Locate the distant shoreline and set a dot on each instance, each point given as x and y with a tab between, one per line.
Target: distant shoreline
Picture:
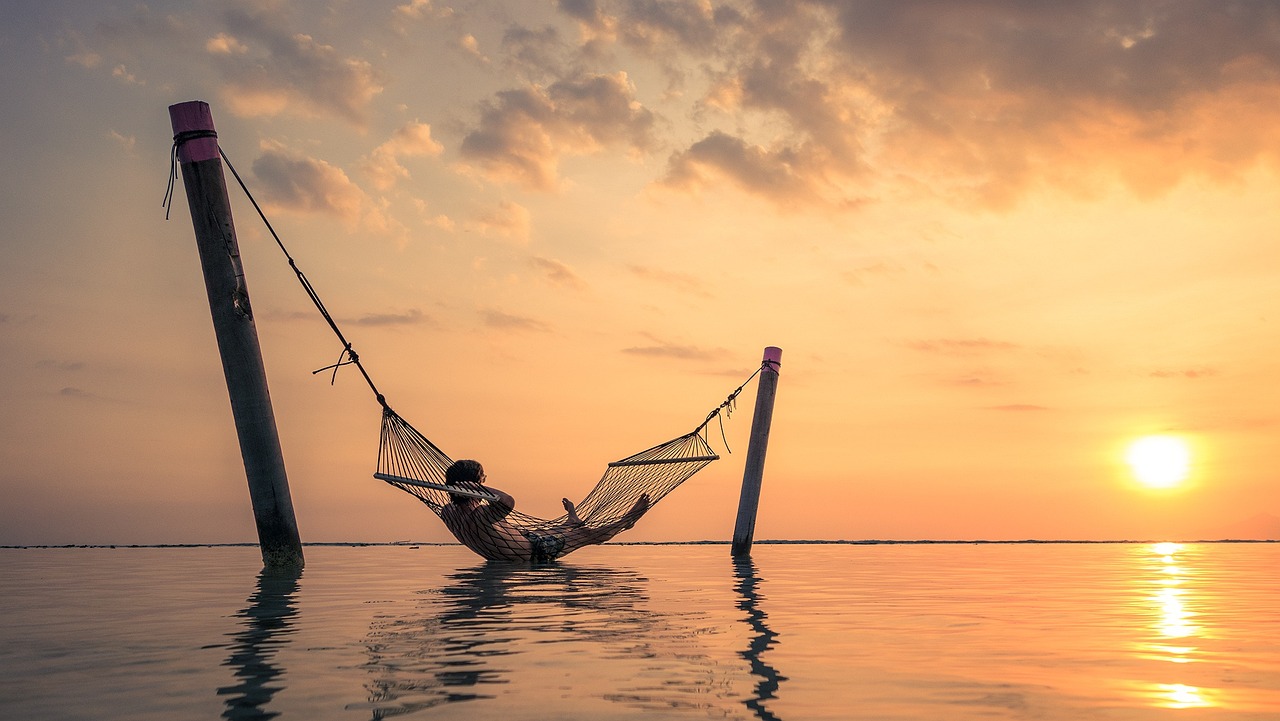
783	542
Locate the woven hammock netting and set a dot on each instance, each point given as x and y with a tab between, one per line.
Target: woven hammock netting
628	489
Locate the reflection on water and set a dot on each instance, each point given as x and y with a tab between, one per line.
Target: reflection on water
762	639
547	633
266	623
1051	632
1175	626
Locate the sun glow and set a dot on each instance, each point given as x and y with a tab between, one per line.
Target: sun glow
1159	461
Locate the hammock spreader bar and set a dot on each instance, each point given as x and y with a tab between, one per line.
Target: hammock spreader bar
660	461
456	490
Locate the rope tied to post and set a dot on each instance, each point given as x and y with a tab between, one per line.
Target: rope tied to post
180	139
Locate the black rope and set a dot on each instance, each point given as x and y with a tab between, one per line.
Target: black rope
731	403
349	355
347	350
178	140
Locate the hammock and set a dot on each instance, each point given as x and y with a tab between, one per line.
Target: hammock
415	465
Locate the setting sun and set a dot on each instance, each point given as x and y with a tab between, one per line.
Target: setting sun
1159	461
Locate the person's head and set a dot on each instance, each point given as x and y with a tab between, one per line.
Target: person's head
464	473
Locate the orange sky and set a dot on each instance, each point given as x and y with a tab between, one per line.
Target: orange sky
997	243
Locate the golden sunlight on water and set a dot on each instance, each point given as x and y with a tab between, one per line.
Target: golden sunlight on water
1180	593
1174	623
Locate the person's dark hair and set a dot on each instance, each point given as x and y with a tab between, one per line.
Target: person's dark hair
466	471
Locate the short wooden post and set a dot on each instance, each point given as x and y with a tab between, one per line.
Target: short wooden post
753	475
197	146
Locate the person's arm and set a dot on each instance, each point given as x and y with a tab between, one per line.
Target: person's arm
504	503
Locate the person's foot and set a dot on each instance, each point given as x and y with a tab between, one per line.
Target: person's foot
641	506
573	512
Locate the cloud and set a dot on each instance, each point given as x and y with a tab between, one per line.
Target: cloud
383	164
975	380
413	316
471	47
962	346
522	133
682	282
72	392
505	321
655	26
540	52
86	59
67	366
679	352
224	44
872	270
827	101
281	71
298	182
507	220
121	73
557	273
1188	373
128	142
419	9
774	173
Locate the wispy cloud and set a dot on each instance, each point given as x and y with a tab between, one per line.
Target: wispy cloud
413	316
506	220
677	351
65	366
127	142
682	282
421	9
977	379
500	320
557	273
962	346
1187	373
383	165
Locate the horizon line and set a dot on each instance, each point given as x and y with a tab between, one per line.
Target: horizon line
767	542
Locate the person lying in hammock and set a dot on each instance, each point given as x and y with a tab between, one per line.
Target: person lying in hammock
482	525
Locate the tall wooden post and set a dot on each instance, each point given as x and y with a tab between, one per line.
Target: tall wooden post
753	475
197	146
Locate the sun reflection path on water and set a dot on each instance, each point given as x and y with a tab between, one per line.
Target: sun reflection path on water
1177	630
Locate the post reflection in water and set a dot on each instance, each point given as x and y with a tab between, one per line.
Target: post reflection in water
1176	628
763	638
266	624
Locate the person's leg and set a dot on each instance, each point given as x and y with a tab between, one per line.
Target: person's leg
577	533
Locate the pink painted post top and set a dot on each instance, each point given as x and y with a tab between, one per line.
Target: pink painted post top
772	358
193	131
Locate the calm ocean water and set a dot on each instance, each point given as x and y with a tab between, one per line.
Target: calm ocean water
1044	631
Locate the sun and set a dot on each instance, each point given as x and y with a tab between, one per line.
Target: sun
1159	461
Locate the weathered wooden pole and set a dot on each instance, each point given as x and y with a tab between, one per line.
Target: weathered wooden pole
753	475
197	148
